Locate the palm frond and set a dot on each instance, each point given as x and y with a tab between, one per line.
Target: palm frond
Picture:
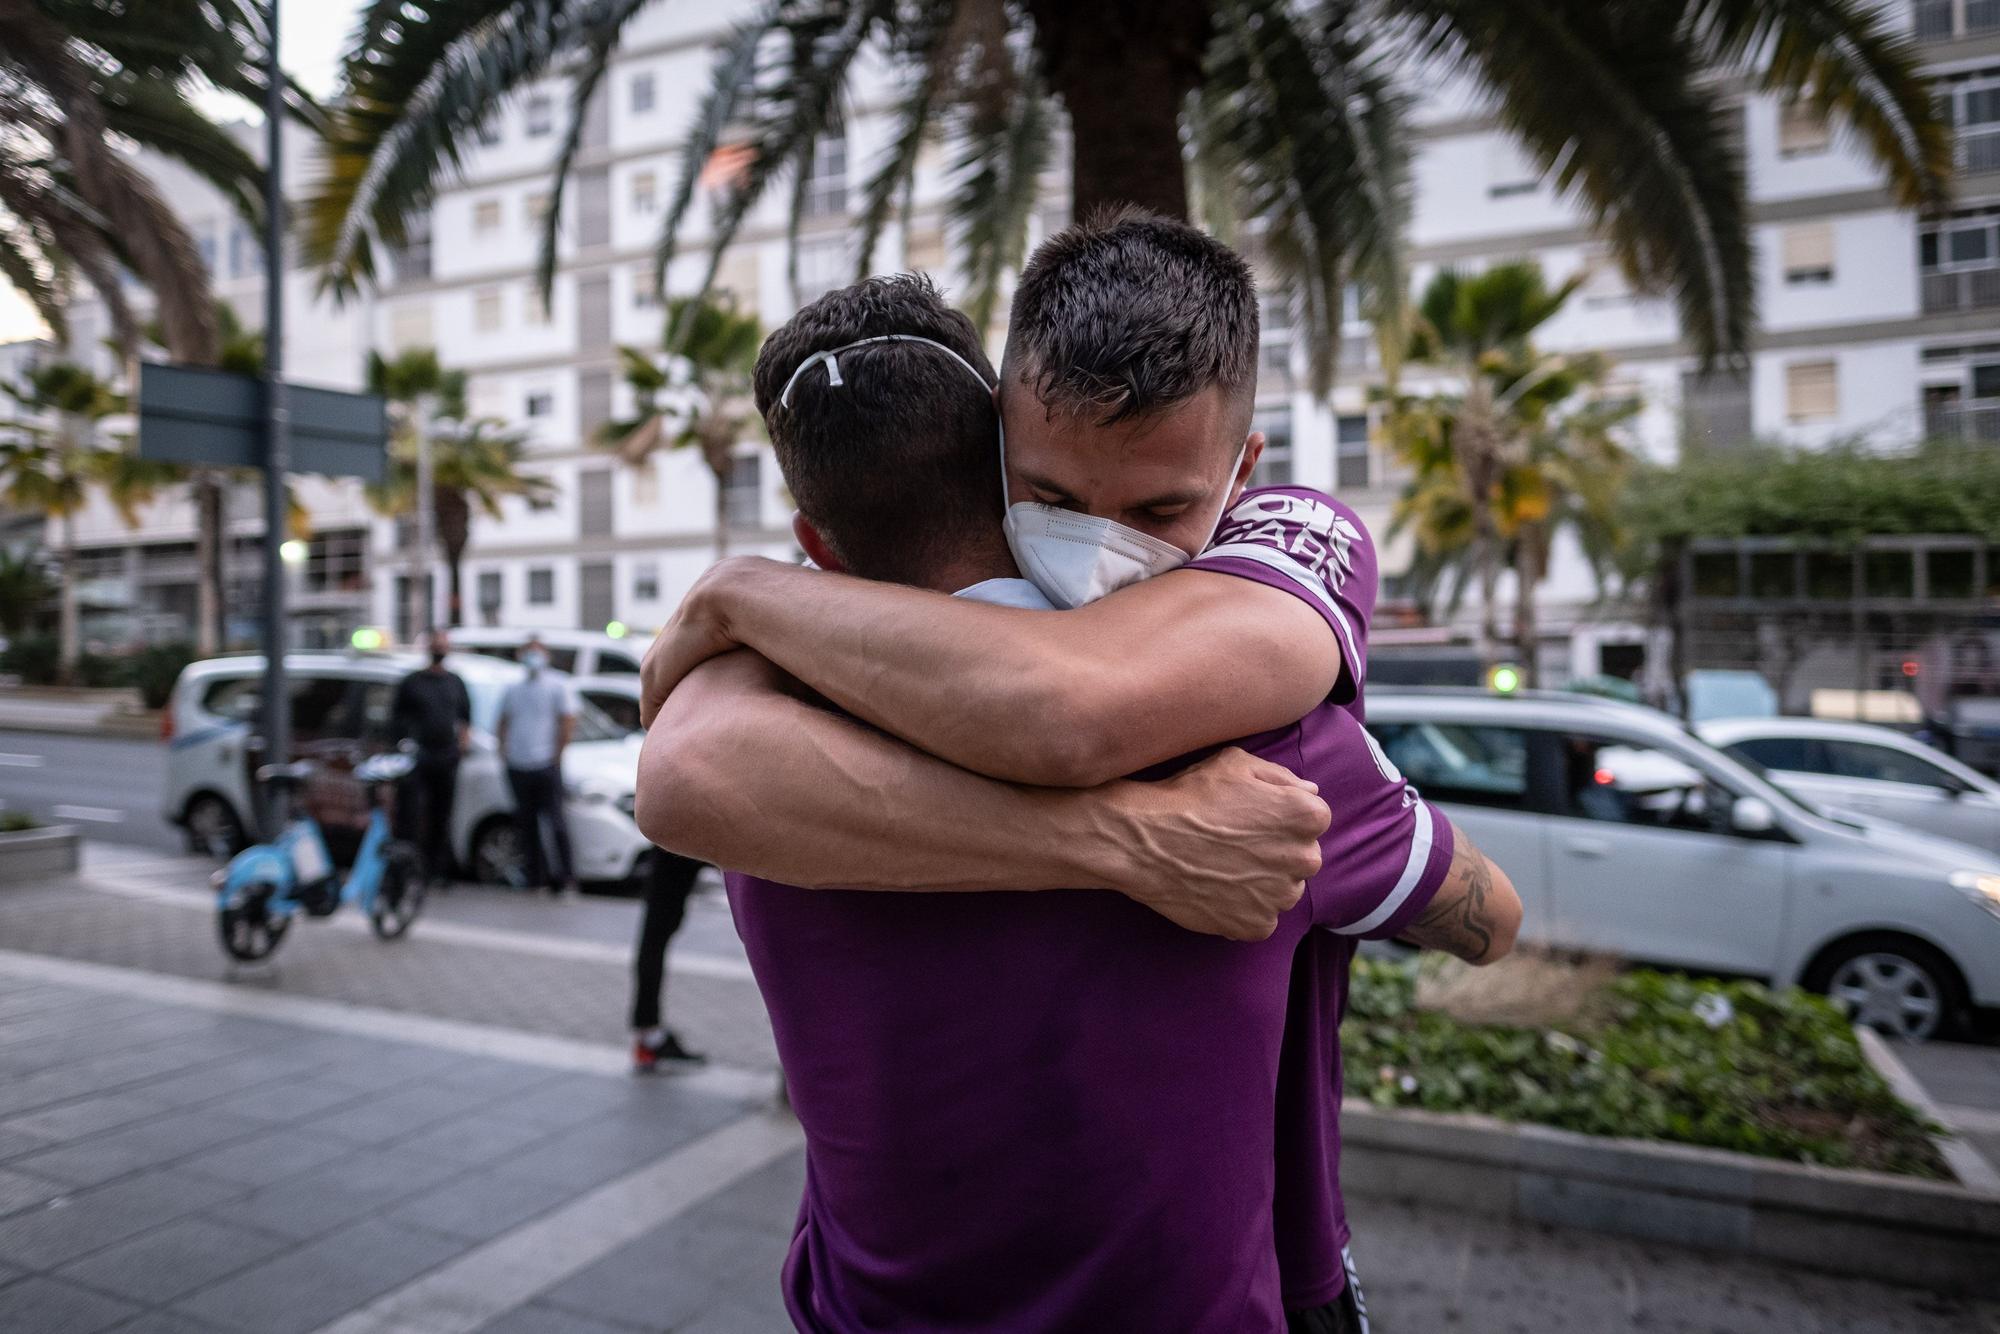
157	116
1844	58
1302	128
730	82
1613	102
24	263
586	75
930	46
1003	149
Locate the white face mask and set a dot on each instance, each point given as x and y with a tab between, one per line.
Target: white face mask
1078	558
534	660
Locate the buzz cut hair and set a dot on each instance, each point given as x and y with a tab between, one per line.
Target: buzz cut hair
1129	313
898	466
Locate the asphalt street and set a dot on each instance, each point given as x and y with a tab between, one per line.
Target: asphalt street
107	786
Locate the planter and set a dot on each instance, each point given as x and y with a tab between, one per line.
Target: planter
1896	1229
32	856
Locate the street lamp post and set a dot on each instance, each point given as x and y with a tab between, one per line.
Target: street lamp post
277	444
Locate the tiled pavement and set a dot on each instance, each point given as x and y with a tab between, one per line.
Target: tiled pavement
185	1148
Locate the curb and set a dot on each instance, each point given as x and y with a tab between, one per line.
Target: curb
1920	1233
1964	1161
127	726
33	856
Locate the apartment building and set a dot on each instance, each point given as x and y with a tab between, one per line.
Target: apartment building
1876	324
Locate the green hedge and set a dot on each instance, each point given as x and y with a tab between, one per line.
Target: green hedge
152	670
1731	1065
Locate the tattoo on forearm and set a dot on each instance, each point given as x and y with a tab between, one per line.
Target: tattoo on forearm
1456	922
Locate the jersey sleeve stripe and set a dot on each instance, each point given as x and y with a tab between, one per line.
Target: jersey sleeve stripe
1413	871
1298	574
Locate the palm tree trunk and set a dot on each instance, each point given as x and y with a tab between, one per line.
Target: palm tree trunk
1126	140
1489	592
1528	565
68	642
208	539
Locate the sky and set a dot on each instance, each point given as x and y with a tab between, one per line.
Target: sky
311	34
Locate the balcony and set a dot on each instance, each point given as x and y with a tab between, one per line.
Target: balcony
1946	20
1976	422
1977	147
1961	289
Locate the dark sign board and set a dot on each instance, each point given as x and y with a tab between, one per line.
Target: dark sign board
215	419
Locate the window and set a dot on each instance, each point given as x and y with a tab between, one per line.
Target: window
645	192
535	310
1622	783
489	131
206	244
541	586
1508	173
535	209
1480	766
1808	254
1350	453
826	179
540	403
742	495
486	310
646	581
486	215
1275	468
541	115
924	250
1882	764
1274	351
410	326
1791	754
1812	391
644	297
489	596
823	266
1801	131
1715	408
337	562
610	662
1604	281
645	484
642	94
620	708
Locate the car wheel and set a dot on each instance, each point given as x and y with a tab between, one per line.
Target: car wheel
496	854
1899	987
213	828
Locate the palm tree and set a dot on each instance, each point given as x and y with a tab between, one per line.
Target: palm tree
51	468
25	589
1510	444
473	464
1289	110
699	393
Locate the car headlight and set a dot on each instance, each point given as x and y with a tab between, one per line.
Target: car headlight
1982	887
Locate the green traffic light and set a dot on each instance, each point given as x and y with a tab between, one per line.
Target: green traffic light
1504	679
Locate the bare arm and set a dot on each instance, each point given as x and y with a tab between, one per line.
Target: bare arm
737	772
1475	913
1152	672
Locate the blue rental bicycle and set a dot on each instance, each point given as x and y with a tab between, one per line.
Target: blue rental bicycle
265	886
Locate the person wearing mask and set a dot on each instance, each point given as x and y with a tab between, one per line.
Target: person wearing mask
537	719
434	712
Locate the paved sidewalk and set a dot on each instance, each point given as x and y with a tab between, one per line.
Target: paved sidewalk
479	956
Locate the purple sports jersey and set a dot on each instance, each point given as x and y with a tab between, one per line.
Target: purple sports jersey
1312	546
1057	1112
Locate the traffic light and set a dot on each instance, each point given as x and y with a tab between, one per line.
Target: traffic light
1503	678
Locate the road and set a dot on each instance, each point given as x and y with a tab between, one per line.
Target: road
109	787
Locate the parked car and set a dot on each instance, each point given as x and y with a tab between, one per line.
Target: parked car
341	702
578	652
616	697
1871	771
1626	834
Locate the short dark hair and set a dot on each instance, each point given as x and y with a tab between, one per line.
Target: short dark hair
898	467
1128	313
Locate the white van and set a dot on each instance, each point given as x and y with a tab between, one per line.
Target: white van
342	701
1628	835
578	652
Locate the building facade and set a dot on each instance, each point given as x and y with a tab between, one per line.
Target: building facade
1876	324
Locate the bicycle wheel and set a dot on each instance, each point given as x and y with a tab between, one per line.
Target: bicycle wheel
400	895
249	932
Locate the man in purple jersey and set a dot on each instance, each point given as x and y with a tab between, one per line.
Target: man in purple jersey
1063	700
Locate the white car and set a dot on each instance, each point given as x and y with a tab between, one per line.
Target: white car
341	703
578	652
1872	771
1627	835
616	697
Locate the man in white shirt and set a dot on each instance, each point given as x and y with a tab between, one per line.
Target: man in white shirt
537	719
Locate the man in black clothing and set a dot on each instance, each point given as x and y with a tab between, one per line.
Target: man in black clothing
669	881
433	710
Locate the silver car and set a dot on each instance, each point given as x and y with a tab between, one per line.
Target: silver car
1628	835
1871	771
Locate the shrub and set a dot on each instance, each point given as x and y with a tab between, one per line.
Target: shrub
1730	1065
155	669
15	822
101	670
34	658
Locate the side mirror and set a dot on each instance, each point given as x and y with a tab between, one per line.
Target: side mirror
1752	815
